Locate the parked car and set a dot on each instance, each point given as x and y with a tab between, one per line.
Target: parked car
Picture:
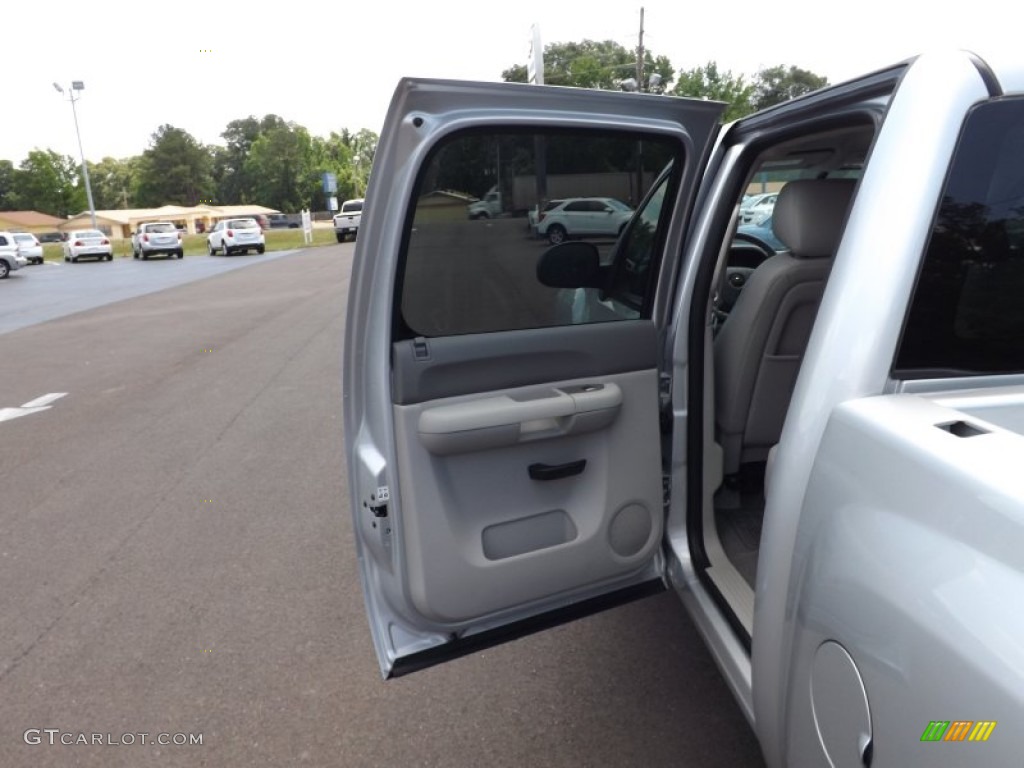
284	220
10	258
51	237
577	217
757	207
29	247
157	237
346	221
236	236
536	214
828	474
87	244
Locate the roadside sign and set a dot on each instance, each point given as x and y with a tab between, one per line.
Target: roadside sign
307	226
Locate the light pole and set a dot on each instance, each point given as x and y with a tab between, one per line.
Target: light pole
78	85
637	85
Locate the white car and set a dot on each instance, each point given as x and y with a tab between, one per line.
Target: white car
535	214
236	236
88	244
583	217
29	247
157	237
10	259
757	208
346	222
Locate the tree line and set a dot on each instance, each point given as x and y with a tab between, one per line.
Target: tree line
277	163
267	161
608	65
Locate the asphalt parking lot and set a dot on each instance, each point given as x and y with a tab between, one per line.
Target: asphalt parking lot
53	289
176	554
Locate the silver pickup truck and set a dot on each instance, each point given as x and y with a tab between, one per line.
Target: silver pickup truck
818	447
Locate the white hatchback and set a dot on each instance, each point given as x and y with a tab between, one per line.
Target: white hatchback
236	236
584	217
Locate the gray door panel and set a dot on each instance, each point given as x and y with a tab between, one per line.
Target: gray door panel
428	369
485	531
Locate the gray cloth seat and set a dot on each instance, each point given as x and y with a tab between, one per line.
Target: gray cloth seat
761	343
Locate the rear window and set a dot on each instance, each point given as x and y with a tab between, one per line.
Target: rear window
352	207
168	227
967	317
243	224
25	239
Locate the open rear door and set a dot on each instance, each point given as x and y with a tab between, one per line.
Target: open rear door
501	393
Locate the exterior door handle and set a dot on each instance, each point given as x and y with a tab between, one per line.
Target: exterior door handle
556	471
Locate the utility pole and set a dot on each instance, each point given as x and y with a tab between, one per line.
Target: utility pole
640	88
535	74
640	56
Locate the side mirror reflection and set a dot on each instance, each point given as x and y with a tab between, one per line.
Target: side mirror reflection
571	265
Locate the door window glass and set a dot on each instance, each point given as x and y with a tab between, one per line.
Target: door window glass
482	216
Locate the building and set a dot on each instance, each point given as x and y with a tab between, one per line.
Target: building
193	219
29	221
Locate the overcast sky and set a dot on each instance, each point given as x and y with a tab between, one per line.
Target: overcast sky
334	65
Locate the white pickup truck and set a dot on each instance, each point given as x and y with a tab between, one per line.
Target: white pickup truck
346	221
818	448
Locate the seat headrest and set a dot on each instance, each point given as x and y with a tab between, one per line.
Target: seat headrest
809	214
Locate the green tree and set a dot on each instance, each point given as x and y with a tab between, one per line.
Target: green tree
364	146
592	64
349	156
50	183
233	183
7	196
113	182
280	163
775	85
708	82
176	169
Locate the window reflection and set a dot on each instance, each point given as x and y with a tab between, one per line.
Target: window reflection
488	205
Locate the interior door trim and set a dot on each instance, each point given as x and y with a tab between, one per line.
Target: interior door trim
440	367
